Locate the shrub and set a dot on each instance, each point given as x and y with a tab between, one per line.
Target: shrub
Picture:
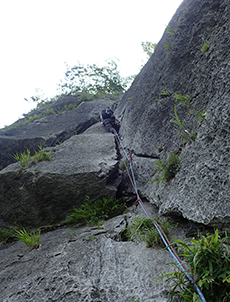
27	160
167	168
208	259
145	230
91	213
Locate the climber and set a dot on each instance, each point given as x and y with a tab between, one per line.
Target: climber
109	121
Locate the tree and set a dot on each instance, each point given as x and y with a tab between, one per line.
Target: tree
93	79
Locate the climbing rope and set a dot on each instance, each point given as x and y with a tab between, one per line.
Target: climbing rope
157	226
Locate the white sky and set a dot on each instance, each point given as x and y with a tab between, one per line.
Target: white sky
38	36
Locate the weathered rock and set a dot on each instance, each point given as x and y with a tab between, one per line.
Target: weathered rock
85	264
51	129
85	164
10	146
182	65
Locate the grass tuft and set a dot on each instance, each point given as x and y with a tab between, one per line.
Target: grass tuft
31	240
167	168
27	160
145	230
92	213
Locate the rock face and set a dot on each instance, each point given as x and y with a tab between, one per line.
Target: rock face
190	69
51	129
84	265
192	59
85	164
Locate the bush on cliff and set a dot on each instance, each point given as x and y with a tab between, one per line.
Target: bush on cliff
208	259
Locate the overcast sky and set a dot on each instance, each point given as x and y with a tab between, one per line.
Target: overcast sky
37	37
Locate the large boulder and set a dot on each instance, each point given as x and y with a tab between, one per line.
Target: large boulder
191	59
45	193
52	129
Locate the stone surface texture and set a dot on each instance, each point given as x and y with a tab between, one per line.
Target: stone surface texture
51	129
95	265
45	193
84	265
200	190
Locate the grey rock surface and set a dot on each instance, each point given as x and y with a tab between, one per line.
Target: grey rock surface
200	190
83	165
84	265
51	129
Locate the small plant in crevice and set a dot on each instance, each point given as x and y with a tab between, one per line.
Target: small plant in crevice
170	30
123	164
92	213
134	299
208	261
144	229
31	240
166	169
27	160
168	45
184	99
186	135
204	46
165	93
200	114
7	235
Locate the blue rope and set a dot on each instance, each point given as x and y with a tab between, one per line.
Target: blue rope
156	226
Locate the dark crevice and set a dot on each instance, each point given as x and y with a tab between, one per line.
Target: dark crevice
147	156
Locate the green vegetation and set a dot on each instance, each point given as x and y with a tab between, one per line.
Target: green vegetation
7	235
86	82
27	160
168	45
92	213
30	239
167	168
123	163
200	114
148	48
134	299
165	93
204	46
183	133
184	99
171	31
23	122
208	259
93	80
145	230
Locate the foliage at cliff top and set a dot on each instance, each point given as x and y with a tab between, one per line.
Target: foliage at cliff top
94	79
